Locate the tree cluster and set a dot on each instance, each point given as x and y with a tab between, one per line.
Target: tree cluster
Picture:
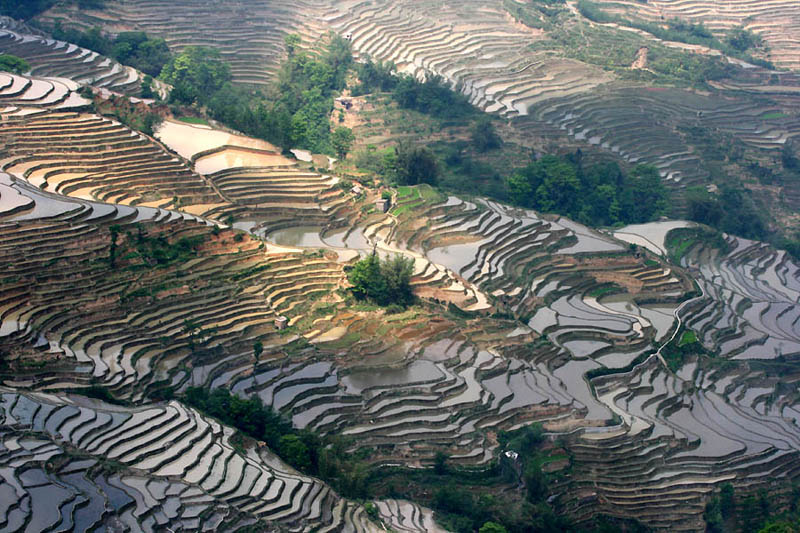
24	9
732	210
384	282
599	195
295	111
196	74
135	48
433	97
14	64
375	76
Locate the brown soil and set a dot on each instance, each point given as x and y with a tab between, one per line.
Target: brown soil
641	58
631	284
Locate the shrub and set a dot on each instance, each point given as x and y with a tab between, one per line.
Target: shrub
14	64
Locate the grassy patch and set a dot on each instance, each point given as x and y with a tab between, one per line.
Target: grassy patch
689	337
773	115
599	292
194	120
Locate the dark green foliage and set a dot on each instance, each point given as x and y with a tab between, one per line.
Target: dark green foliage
307	86
196	74
713	516
483	136
372	77
99	393
742	40
342	140
249	416
250	113
535	13
159	251
147	87
524	441
384	282
684	345
24	9
433	97
297	112
135	48
599	195
415	165
440	463
14	64
732	211
491	527
143	53
727	500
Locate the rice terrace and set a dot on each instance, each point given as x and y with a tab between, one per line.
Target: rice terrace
400	266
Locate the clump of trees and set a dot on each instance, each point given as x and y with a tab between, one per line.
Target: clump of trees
483	135
384	282
196	74
134	48
732	210
375	76
599	195
24	9
14	64
404	164
293	113
432	96
342	140
326	457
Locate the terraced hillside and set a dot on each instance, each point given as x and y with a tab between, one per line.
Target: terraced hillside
777	21
514	70
249	35
135	267
195	477
49	57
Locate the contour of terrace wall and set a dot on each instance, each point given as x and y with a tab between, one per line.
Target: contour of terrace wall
49	57
248	34
178	465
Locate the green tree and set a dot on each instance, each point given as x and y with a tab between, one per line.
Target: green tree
440	463
492	527
397	272
742	40
384	282
520	189
483	135
14	64
535	482
727	500
367	281
258	349
342	140
196	74
781	527
295	452
292	42
647	197
415	165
